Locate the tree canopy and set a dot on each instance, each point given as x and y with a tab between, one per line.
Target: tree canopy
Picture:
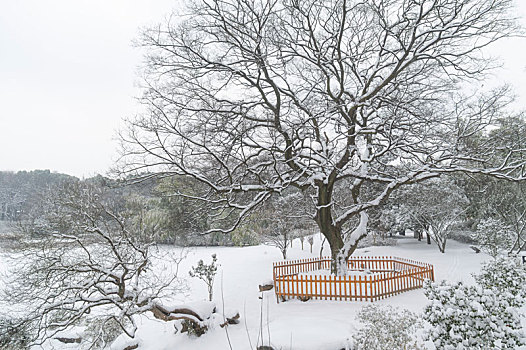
344	100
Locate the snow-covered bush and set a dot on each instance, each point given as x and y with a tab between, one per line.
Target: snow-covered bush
471	317
206	273
370	241
493	236
507	277
385	328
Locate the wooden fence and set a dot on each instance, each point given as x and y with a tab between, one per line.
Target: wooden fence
385	276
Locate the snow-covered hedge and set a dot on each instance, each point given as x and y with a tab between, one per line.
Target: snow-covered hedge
472	317
385	328
507	277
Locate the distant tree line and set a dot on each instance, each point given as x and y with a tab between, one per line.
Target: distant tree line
38	203
20	190
160	209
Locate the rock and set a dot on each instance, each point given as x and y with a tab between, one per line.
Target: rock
477	250
193	328
192	315
131	347
304	298
265	287
68	340
231	320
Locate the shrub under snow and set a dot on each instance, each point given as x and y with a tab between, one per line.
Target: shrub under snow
507	277
206	273
12	336
493	236
385	328
471	317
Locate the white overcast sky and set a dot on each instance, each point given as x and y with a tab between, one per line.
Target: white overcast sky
68	72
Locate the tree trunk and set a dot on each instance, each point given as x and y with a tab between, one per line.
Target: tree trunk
341	250
321	247
442	246
518	245
441	240
340	256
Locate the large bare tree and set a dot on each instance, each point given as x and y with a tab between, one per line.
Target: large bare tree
335	98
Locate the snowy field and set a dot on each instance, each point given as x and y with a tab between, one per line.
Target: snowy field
320	325
294	324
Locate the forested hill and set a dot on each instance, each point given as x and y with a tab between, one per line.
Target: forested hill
22	191
18	190
41	201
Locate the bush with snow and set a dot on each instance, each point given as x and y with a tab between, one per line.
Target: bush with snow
507	277
471	317
493	236
385	328
206	273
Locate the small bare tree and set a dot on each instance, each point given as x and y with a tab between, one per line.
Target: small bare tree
310	239
279	236
435	206
329	97
280	219
99	274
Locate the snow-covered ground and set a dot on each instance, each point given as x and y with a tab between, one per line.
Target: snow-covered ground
315	324
292	324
